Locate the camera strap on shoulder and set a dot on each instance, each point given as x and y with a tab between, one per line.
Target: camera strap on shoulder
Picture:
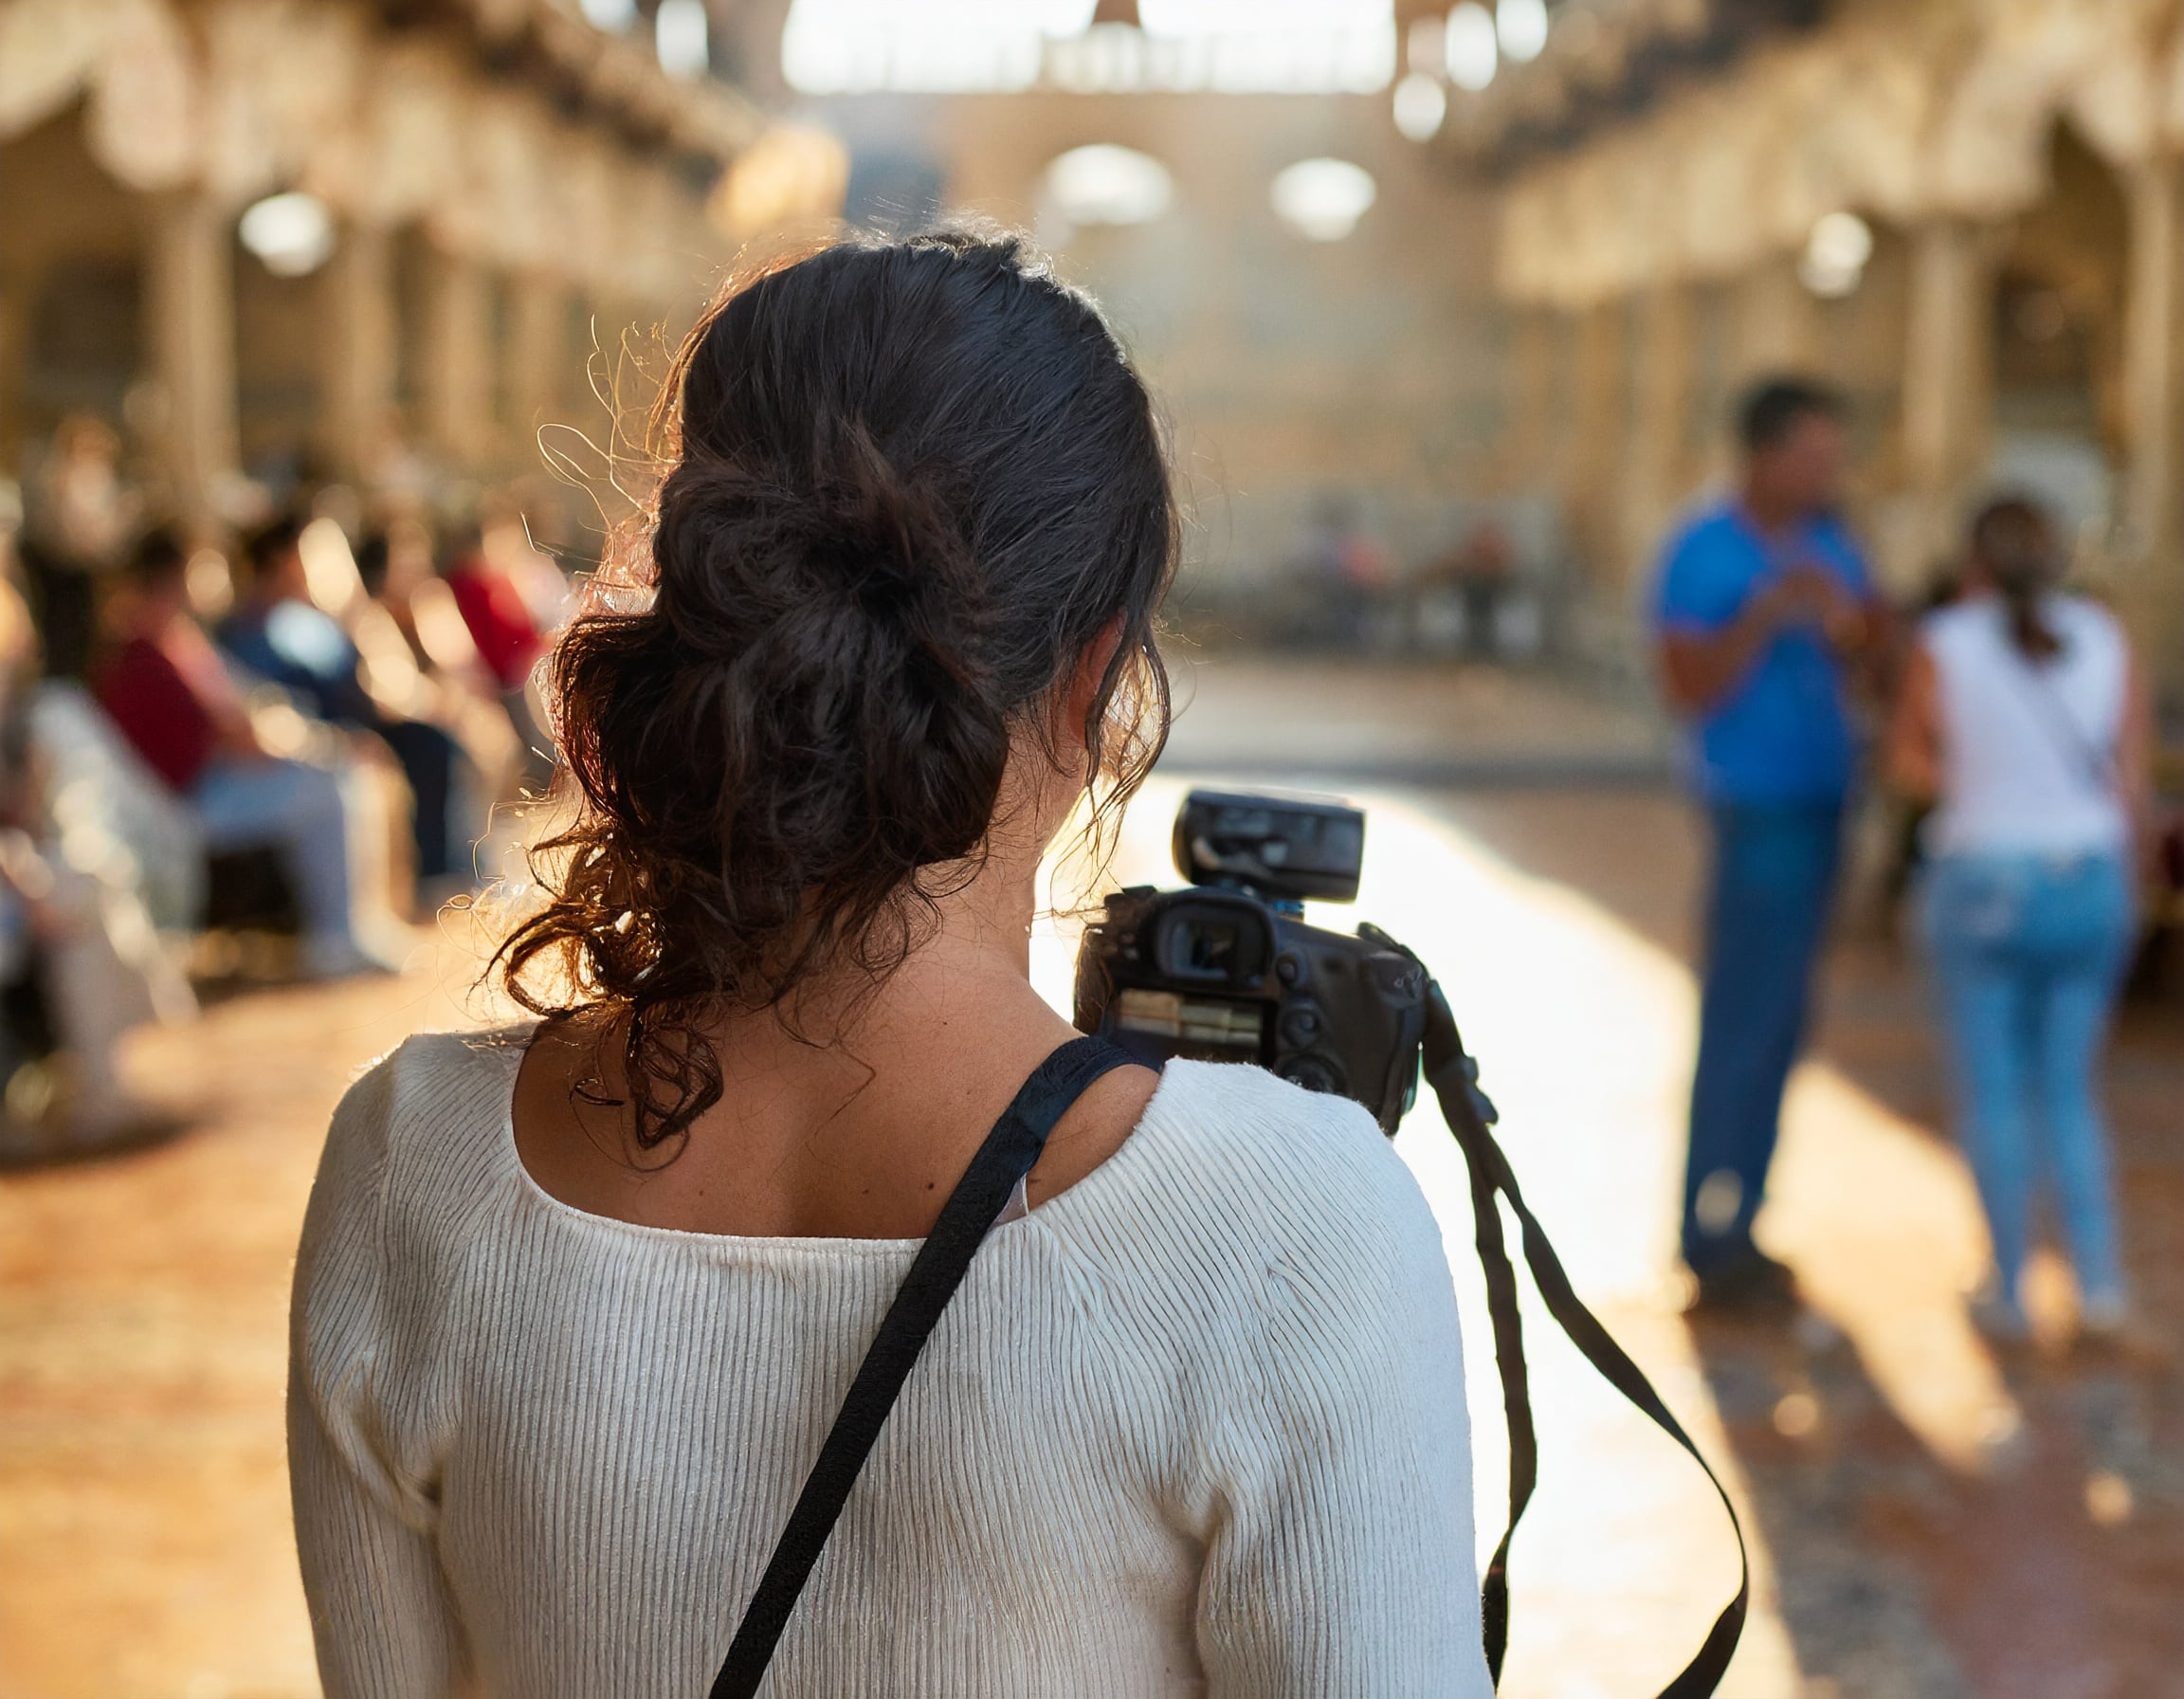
1453	1077
1010	1152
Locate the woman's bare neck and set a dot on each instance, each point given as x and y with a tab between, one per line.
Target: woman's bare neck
850	1114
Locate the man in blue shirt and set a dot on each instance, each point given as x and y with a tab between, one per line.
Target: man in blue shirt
1760	602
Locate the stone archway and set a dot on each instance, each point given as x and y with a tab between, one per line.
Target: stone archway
72	286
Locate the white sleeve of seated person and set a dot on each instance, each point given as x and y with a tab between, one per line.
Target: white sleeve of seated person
1342	1561
380	1613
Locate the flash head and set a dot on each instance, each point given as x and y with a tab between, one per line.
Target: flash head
1278	847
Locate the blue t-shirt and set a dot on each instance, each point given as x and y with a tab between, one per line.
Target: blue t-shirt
307	653
1783	734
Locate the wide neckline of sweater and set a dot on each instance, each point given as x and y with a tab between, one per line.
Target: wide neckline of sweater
1114	1174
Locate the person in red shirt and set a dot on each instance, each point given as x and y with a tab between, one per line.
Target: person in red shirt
492	605
165	687
510	627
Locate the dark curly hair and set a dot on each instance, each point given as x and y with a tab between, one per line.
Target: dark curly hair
910	485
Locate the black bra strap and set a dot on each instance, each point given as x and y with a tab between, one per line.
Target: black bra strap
1008	1154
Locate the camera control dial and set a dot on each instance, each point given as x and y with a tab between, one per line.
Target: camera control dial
1315	1074
1302	1023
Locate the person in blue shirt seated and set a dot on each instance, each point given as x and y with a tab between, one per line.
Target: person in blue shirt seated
278	633
1762	604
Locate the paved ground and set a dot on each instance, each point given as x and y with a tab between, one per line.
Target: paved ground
1403	723
1926	1524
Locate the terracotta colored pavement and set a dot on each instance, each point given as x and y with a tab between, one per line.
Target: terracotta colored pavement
1937	1522
145	1550
1925	1524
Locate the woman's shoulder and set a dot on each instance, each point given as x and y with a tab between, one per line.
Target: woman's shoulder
1253	1234
2084	618
435	1076
392	1221
1981	619
1956	623
1233	1158
425	1117
1254	1115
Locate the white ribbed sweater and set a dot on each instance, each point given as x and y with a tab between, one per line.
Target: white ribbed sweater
1195	1425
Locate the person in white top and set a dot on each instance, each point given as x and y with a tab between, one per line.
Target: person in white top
578	1302
2023	720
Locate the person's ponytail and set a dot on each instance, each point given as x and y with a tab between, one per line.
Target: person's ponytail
2014	548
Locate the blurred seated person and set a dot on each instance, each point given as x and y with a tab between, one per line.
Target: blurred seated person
417	646
393	562
1349	572
1480	572
280	635
164	686
495	576
80	961
79	514
500	616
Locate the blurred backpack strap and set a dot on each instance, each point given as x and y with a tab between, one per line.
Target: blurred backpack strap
1008	1154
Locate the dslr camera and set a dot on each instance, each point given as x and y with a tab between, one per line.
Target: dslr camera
1228	971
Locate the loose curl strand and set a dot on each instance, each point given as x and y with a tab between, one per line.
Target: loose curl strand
909	485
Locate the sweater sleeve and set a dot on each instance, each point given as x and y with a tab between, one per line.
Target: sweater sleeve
380	1612
1341	1562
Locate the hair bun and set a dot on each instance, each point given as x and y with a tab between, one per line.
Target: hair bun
804	701
916	484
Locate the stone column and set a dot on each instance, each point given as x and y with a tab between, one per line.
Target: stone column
457	369
575	397
362	350
1778	324
2153	357
2153	417
538	355
1597	439
190	309
1655	459
1948	375
1531	371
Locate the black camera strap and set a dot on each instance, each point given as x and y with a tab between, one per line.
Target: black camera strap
1454	1078
1010	1152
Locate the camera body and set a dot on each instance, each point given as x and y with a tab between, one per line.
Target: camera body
1228	971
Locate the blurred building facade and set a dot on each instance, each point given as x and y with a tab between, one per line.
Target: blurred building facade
1318	378
1969	213
455	201
1306	382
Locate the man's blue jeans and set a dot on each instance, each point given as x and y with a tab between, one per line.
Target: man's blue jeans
2028	953
1774	879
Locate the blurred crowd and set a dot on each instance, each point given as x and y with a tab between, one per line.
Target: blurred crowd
1476	582
1476	599
259	748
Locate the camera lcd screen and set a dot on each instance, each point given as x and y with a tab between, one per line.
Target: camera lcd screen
1165	1023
